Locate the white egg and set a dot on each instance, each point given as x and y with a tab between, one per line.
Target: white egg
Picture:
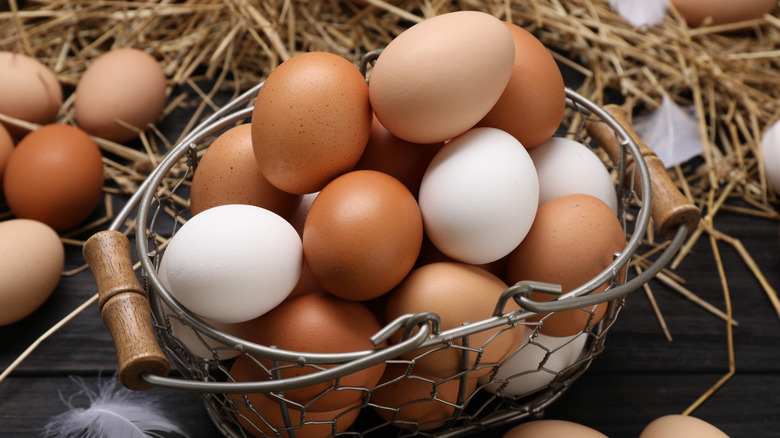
195	342
565	166
233	263
770	148
535	364
479	196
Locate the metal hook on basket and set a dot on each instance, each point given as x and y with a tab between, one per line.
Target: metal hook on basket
524	289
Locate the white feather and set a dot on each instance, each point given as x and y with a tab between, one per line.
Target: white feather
113	411
672	132
640	13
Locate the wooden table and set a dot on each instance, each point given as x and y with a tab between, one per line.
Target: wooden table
639	377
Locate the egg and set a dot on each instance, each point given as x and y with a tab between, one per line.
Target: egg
401	159
318	323
54	175
697	12
440	77
552	429
31	261
566	166
6	146
193	341
229	174
233	263
531	106
680	426
770	151
413	401
478	196
458	293
30	90
311	121
302	424
119	94
534	364
573	239
362	234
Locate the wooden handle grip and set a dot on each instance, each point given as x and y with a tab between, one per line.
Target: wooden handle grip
124	308
670	208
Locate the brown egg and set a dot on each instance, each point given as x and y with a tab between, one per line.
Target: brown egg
54	175
311	121
319	323
31	92
31	262
401	159
681	426
695	12
552	429
458	293
229	174
532	104
121	87
6	146
315	425
409	400
362	235
573	238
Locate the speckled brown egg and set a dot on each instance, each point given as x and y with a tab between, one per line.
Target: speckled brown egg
532	105
6	146
30	91
319	323
458	293
54	175
362	235
120	93
229	174
311	121
573	238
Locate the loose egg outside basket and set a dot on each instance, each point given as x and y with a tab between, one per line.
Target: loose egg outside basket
210	377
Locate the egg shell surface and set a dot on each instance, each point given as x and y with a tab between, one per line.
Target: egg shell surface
572	240
6	146
566	166
681	426
229	174
696	12
401	159
770	150
31	261
319	323
303	424
311	121
410	400
438	78
531	106
458	293
362	234
124	86
479	196
54	175
233	263
552	429
535	364
30	90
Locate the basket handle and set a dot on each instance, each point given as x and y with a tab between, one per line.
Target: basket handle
124	309
670	207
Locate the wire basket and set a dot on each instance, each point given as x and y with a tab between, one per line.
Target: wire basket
147	322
